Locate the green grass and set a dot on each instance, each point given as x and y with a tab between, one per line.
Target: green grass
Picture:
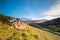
9	33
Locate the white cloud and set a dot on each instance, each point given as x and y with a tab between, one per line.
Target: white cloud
36	18
53	12
33	18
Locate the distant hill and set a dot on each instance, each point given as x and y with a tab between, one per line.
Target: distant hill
10	32
55	22
25	19
52	25
35	21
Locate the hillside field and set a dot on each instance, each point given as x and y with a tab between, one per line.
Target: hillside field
31	33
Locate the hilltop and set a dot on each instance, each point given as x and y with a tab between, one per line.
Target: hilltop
9	32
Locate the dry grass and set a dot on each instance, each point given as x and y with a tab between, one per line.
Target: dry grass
30	33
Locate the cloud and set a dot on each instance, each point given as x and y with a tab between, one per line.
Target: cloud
53	12
32	14
33	18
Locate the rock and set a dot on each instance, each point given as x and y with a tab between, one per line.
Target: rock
16	23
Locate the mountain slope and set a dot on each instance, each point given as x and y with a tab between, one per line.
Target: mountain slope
30	33
50	25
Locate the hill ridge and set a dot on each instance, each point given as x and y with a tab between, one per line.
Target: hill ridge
30	33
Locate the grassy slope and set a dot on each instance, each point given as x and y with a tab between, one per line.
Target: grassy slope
31	33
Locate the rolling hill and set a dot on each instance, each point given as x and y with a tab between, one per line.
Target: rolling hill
36	21
9	32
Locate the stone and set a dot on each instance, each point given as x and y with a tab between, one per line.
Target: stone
16	23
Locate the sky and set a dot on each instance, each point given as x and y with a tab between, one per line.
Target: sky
31	9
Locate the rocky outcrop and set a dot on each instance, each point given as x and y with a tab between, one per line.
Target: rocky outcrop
16	23
13	22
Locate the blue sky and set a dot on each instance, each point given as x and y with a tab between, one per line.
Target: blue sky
31	9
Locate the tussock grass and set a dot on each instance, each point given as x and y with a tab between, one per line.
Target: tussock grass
30	33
